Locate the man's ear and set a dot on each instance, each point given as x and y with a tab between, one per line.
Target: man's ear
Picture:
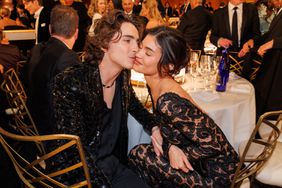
104	50
50	29
76	34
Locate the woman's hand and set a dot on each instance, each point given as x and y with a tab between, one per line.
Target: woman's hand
157	140
178	159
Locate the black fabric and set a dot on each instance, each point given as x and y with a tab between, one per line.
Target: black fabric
268	81
235	29
195	25
221	27
107	161
79	105
51	59
43	26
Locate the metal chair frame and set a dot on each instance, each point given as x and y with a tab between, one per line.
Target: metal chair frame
31	172
250	164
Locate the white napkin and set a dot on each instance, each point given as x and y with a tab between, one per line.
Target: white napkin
206	96
240	88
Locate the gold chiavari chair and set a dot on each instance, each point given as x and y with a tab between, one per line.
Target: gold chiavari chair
81	56
13	84
20	66
22	119
41	171
257	151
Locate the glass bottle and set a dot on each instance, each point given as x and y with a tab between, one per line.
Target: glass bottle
223	72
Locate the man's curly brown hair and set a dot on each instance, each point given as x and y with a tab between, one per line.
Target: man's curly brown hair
105	30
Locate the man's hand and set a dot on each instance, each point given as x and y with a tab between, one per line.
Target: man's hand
246	48
225	43
157	140
178	159
1	69
263	48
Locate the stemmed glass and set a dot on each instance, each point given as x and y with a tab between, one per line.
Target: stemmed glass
193	67
206	68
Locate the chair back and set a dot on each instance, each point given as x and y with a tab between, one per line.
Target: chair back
22	120
41	171
81	56
13	85
20	66
258	150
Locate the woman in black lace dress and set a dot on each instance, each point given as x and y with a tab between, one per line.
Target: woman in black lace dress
195	151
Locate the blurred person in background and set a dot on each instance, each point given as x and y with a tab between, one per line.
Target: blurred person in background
42	19
222	34
195	25
24	17
137	7
6	21
127	6
97	9
9	54
84	23
49	59
185	7
269	80
151	12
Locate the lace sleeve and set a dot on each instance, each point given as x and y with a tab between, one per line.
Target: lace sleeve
187	127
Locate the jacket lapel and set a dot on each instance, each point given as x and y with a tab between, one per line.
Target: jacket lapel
275	20
226	20
244	19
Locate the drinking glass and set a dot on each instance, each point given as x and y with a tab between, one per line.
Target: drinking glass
205	69
193	67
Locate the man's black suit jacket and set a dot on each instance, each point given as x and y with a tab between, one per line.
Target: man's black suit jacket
43	26
195	25
51	59
221	26
268	81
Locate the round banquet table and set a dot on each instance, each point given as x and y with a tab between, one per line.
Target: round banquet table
233	110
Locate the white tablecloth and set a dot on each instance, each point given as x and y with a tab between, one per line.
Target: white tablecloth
233	111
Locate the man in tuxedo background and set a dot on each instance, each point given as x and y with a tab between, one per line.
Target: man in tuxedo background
195	25
234	25
127	6
185	7
42	19
268	81
49	59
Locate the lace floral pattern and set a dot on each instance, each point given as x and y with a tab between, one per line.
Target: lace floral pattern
183	124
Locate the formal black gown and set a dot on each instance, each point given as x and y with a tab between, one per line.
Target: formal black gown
184	125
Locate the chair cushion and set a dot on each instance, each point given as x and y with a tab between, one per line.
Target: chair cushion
271	172
264	130
245	183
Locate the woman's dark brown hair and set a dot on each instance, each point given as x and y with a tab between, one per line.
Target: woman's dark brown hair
175	50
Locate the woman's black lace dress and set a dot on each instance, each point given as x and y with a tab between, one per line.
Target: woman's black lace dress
183	124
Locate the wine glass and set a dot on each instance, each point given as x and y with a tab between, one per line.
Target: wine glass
205	69
193	67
